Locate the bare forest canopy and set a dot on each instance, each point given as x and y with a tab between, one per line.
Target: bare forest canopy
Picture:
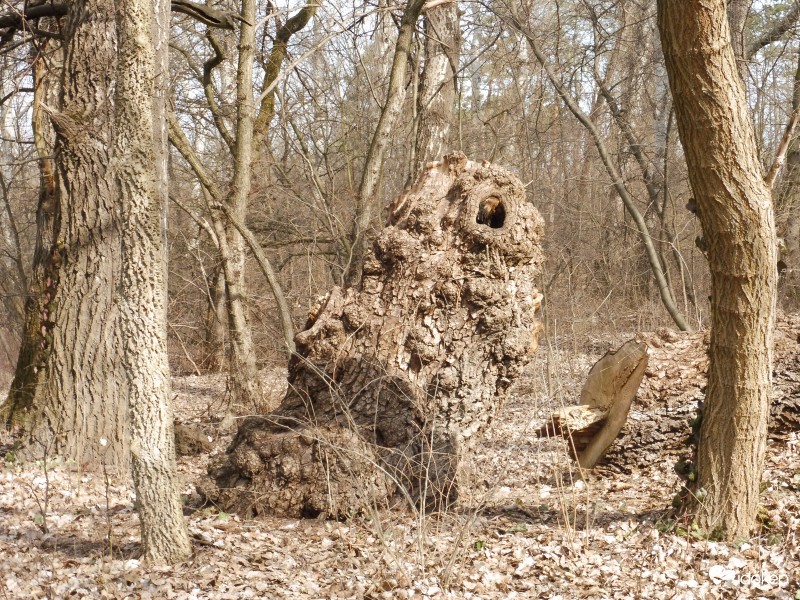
327	101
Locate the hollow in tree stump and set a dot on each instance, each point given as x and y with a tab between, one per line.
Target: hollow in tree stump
395	381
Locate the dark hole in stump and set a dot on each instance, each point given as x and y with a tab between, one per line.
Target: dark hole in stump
491	212
308	512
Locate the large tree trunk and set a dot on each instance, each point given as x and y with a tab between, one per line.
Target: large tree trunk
395	380
142	194
735	211
80	397
737	16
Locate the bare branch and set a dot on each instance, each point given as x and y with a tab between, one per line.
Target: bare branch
616	178
395	96
16	19
181	143
204	14
207	15
266	268
208	88
780	155
273	69
201	222
775	33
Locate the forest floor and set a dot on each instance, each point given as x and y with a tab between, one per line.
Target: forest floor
526	526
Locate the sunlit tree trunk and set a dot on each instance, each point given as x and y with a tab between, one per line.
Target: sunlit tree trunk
395	97
139	144
737	15
244	376
735	210
394	382
438	84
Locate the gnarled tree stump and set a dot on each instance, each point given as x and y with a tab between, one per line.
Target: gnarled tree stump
394	382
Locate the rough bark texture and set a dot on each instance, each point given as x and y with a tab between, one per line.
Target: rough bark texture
80	396
658	427
737	16
32	354
735	210
437	87
395	380
143	291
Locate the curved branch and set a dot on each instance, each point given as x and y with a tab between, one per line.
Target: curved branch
208	88
644	234
266	268
273	68
201	222
775	33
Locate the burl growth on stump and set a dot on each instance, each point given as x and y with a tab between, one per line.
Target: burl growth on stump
395	381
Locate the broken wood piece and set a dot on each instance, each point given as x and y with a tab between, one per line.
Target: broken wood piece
592	426
658	427
659	430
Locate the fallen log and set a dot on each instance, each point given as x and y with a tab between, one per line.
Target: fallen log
658	426
395	380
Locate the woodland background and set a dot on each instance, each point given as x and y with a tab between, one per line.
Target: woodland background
596	277
573	98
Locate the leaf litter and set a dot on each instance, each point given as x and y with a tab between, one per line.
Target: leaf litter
526	526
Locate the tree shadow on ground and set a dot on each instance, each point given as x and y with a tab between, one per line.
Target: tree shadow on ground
71	546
